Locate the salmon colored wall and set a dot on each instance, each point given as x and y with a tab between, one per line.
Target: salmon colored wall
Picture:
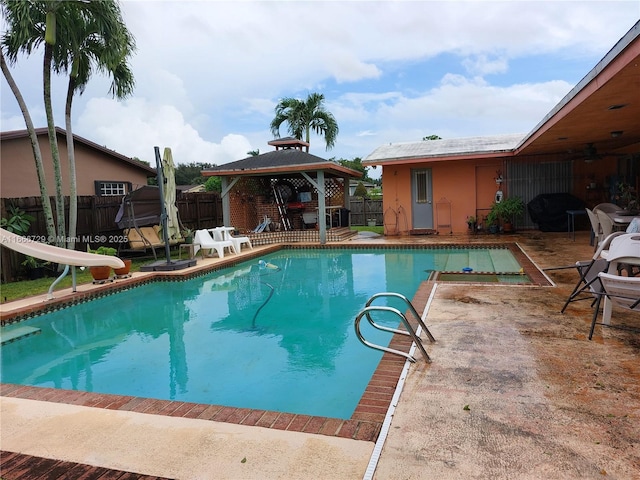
455	182
18	176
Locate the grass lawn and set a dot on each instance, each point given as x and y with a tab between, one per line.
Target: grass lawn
27	288
379	230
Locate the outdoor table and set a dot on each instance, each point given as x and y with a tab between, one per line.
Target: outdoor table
571	221
329	214
191	250
621	219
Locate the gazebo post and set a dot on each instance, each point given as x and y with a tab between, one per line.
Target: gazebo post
226	204
322	217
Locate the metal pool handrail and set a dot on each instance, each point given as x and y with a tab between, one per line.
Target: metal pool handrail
410	331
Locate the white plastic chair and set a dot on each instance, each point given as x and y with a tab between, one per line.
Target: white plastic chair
237	241
607	207
606	224
618	291
595	227
222	235
204	241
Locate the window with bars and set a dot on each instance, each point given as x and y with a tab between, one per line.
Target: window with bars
422	187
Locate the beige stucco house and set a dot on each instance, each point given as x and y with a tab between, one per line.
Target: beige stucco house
99	170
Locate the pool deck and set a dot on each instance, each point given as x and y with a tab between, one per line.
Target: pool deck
515	391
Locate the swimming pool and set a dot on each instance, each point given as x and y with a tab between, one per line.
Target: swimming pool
251	336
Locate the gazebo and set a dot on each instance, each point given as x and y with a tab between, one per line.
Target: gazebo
288	193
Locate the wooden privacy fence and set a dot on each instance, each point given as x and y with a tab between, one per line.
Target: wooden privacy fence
96	218
365	211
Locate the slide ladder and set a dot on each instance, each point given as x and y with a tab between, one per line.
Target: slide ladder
366	312
282	208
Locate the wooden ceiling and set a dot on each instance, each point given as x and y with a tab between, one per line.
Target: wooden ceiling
606	101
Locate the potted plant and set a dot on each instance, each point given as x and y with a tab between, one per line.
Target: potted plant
187	234
511	209
491	220
472	222
627	198
34	267
506	212
103	272
124	271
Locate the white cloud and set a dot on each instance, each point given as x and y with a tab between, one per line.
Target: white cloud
209	73
482	65
135	127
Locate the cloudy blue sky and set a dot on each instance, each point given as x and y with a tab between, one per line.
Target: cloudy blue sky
209	73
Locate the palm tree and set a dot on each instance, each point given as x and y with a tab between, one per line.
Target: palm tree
99	40
76	35
24	34
29	25
35	146
305	116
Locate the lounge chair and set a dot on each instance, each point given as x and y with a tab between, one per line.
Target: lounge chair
203	241
619	291
261	228
219	235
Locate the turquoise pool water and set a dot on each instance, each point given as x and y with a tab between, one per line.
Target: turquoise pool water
251	336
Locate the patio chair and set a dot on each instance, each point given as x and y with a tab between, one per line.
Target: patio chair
588	286
619	291
607	207
596	231
606	224
309	219
203	241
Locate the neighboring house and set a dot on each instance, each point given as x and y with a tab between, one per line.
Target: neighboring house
354	183
587	144
99	171
191	188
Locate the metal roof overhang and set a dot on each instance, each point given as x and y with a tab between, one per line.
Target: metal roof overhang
445	158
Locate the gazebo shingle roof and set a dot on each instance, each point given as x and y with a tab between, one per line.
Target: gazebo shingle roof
280	162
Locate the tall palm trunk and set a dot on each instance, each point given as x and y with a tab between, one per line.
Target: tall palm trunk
73	189
53	142
35	146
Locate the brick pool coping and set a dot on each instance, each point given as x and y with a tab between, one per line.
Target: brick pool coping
365	423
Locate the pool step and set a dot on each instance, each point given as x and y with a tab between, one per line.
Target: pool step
502	263
480	261
17	333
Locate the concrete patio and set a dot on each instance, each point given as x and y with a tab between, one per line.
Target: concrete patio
515	391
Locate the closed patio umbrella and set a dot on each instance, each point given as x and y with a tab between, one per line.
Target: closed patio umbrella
169	174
